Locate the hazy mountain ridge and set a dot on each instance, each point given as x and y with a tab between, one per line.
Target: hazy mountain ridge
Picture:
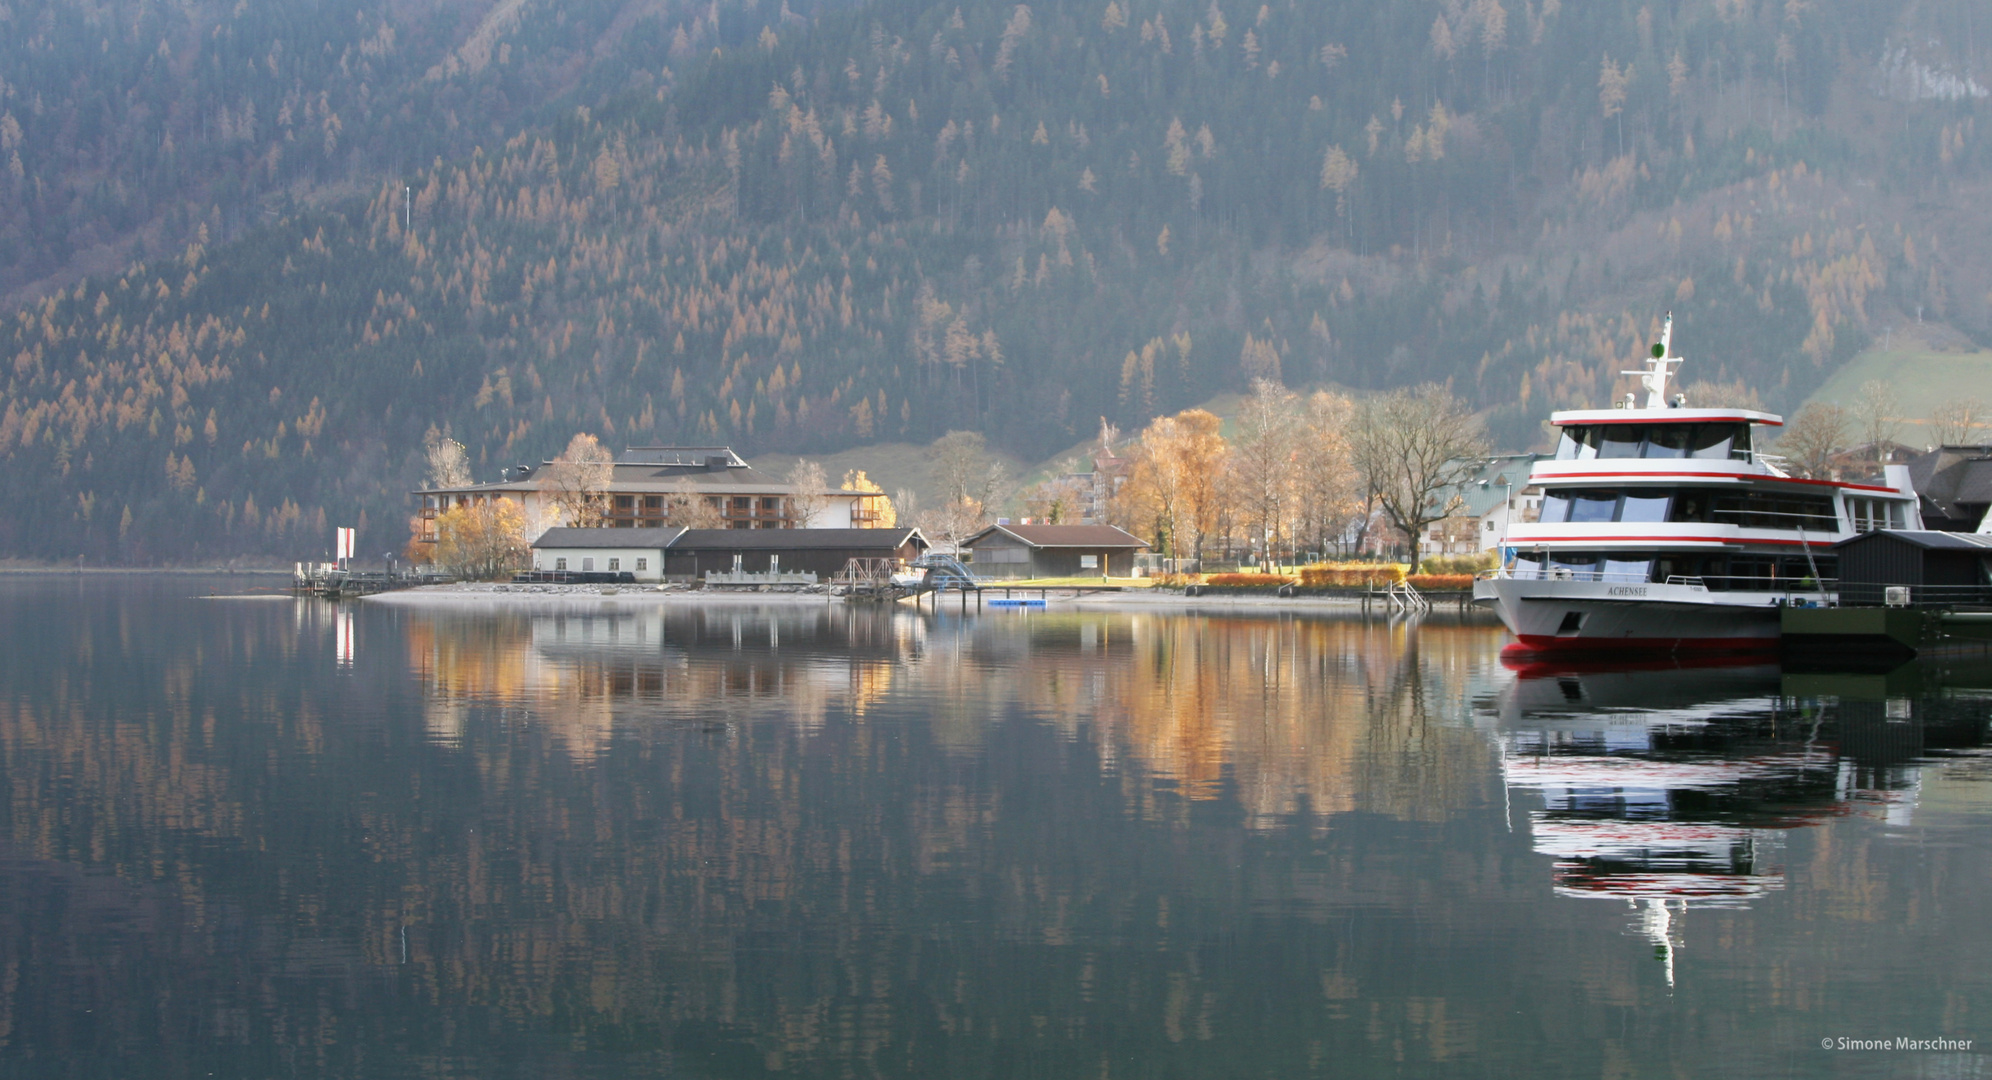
906	219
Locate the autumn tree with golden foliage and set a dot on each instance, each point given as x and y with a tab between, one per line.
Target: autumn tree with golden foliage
482	540
1175	488
1329	496
887	515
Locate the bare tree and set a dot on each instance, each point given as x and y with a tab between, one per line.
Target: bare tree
811	492
1957	422
447	464
1874	410
578	481
1056	499
1264	464
1413	449
689	507
969	478
1811	437
952	524
1728	395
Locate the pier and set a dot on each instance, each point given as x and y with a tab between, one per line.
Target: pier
332	582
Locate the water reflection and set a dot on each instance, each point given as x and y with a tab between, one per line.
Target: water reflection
1669	786
824	840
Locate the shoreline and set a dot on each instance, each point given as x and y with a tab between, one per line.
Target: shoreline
113	571
497	596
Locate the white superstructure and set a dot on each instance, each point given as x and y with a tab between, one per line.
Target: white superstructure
1663	528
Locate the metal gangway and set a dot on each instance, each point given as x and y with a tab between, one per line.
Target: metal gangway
891	581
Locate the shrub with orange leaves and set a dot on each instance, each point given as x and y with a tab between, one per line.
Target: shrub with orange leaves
1351	575
1267	581
1441	582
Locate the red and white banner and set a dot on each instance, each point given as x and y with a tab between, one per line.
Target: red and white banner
346	543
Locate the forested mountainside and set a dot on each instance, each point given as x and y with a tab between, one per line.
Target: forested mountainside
804	228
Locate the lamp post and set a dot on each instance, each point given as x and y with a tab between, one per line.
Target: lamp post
1507	504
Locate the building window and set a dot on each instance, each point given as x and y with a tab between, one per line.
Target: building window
743	505
642	564
615	564
560	564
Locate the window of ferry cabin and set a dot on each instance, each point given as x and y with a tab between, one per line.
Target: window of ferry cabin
1593	506
1669	440
1719	440
1627	567
1621	440
1577	444
1645	506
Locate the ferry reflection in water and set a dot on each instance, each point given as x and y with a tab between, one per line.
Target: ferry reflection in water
1670	786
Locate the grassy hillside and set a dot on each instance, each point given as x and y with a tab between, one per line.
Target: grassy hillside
849	227
1925	366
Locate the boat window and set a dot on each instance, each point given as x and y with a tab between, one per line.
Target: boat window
1555	508
1763	510
1715	440
1577	444
1579	564
1690	506
1624	567
1593	505
1752	571
1621	440
1669	440
1527	564
1645	506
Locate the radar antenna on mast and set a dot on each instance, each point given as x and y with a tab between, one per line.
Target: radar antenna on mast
1654	378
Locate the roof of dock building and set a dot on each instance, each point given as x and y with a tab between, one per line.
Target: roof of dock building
795	539
647	538
1065	536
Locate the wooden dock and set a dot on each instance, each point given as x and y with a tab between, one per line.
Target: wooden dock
328	581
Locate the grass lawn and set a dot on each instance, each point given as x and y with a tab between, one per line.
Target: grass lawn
1924	375
1069	582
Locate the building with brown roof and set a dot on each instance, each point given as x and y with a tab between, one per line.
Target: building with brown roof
1036	551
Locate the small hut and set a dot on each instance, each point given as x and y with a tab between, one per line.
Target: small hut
1040	551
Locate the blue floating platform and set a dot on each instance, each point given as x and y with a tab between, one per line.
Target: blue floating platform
1016	603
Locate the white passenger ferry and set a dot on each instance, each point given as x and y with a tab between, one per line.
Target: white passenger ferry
1664	529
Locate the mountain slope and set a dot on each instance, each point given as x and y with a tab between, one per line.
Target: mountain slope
903	219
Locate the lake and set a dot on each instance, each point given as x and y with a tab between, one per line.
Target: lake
280	838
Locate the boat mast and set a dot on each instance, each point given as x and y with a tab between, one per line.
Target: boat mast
1654	378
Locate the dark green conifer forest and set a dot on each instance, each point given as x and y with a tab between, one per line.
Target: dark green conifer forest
252	253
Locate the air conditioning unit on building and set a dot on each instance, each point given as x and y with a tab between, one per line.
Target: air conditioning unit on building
1895	595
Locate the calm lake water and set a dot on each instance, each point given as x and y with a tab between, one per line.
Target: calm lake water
272	838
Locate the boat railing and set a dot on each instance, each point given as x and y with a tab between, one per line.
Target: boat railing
1955	597
1562	573
1693	582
